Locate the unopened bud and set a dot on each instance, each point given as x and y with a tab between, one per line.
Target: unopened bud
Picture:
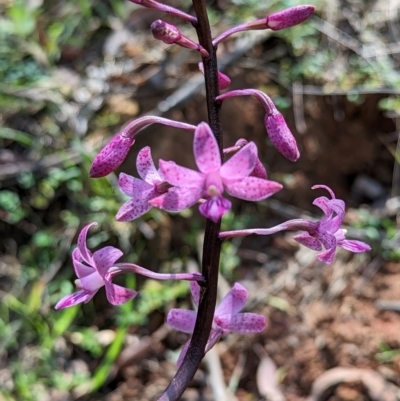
111	156
281	136
166	32
290	17
170	34
223	80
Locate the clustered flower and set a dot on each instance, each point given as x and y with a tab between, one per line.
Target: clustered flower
173	188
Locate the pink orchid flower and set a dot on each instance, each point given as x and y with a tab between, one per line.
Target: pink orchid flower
141	191
316	235
226	318
213	178
92	273
327	232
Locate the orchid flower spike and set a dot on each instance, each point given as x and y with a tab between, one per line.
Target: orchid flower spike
223	80
277	129
92	272
115	152
213	178
325	233
170	34
226	317
280	20
155	5
141	191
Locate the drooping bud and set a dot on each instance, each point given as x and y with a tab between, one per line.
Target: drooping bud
280	20
281	136
275	124
115	152
170	34
111	156
223	80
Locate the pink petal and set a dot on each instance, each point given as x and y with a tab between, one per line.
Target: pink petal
323	203
118	295
195	291
181	176
134	208
132	186
145	166
233	301
111	156
241	164
215	207
81	270
354	246
74	299
182	320
105	258
177	199
92	282
327	256
327	239
259	171
308	241
86	254
206	150
252	188
338	206
280	135
243	323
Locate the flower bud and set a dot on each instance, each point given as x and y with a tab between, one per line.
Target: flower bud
223	80
111	156
280	135
166	32
290	17
170	34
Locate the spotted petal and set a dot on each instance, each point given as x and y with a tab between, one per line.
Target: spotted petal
145	166
243	323
233	301
136	207
307	240
180	176
252	188
241	164
118	295
206	150
105	258
182	319
354	246
132	186
86	254
74	299
177	199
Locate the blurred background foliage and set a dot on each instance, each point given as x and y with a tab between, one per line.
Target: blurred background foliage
71	73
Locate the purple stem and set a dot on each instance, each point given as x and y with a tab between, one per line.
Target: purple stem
254	25
155	5
122	268
295	224
212	242
264	99
135	126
